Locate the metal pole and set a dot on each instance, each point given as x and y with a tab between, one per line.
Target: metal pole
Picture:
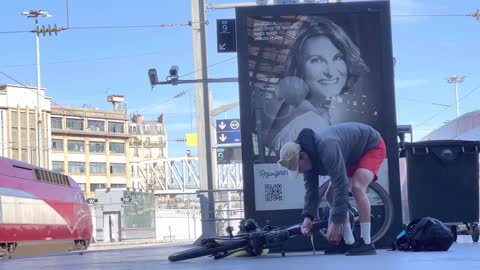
40	129
456	97
456	80
203	110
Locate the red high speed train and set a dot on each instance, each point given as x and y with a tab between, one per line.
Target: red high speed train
41	211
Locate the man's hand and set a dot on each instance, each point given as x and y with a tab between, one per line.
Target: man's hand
334	233
306	226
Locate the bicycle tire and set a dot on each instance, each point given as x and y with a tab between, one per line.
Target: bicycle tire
387	211
201	251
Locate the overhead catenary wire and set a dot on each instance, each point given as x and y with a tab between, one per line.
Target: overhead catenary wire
176	96
157	105
95	27
89	60
447	108
34	91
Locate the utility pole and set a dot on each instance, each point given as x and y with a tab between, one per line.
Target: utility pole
203	114
35	14
456	80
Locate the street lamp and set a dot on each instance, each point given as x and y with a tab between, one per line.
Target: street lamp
456	80
35	13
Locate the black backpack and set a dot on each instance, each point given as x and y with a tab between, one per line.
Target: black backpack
424	234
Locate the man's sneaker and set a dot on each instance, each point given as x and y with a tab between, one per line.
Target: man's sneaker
360	248
337	249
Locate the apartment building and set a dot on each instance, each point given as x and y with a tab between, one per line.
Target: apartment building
91	145
148	142
20	126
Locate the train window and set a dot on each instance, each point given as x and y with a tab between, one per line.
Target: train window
37	174
52	178
43	176
66	180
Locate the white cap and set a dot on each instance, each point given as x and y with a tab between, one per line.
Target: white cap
289	157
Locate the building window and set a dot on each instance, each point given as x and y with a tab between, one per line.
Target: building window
82	187
93	187
57	166
117	148
23	119
75	146
57	123
135	152
117	168
24	156
96	125
97	147
57	145
98	168
118	186
134	129
115	127
147	153
75	167
31	120
33	137
74	124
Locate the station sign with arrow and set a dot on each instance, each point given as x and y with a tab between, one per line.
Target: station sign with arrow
226	36
228	131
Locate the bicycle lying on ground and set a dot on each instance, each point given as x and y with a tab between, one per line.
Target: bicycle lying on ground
255	241
252	242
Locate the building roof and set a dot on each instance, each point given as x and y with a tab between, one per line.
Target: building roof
88	113
3	86
465	127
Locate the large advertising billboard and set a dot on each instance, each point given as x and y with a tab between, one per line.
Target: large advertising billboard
310	66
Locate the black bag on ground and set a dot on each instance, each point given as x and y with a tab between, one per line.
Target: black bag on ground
424	234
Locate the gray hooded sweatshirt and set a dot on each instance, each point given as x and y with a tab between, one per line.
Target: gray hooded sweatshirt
330	151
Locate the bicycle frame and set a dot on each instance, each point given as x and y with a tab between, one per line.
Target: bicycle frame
253	242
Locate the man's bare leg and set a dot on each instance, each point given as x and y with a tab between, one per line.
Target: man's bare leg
360	181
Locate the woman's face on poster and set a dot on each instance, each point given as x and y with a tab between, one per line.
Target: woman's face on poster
325	68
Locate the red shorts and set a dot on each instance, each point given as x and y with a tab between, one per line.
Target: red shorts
371	160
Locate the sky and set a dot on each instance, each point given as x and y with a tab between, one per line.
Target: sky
82	65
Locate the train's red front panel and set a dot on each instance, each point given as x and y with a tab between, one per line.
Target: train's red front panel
34	210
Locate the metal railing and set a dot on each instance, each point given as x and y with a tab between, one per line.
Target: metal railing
227	210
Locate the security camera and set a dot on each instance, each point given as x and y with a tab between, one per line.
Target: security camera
152	76
174	71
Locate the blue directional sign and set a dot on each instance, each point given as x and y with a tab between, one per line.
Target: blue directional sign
228	131
226	36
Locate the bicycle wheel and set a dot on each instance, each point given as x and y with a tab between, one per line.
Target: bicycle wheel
204	251
380	204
